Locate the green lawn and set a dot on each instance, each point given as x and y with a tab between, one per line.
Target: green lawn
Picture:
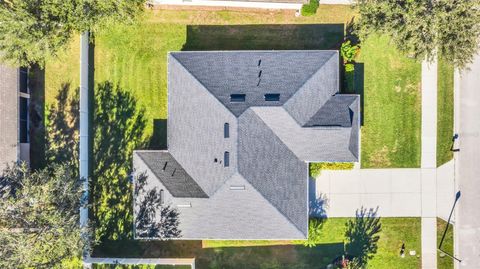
111	266
445	112
133	59
391	105
447	246
334	233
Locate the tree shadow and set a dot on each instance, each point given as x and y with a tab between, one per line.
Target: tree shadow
317	204
62	128
117	128
153	218
264	37
362	235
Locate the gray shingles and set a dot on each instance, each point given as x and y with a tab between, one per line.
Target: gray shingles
273	169
196	121
269	142
237	72
308	99
335	112
9	78
175	179
312	144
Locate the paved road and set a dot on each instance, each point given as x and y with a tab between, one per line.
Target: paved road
468	172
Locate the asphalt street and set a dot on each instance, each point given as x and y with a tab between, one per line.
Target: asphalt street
467	224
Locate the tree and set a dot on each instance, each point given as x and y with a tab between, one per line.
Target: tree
33	30
153	219
39	219
422	28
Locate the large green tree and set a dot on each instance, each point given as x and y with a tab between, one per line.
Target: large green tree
422	28
33	30
39	218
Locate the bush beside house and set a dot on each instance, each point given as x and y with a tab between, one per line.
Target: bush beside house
310	9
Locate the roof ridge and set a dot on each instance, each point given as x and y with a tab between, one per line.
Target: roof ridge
309	78
261	194
196	79
283	143
331	97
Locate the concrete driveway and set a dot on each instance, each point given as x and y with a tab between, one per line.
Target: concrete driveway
396	192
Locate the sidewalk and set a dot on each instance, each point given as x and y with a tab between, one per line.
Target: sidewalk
429	165
399	192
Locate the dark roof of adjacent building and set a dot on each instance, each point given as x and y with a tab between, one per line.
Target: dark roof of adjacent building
283	110
9	79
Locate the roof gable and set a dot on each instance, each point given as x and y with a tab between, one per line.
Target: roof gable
254	74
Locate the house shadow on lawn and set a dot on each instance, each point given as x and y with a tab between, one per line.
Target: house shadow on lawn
285	256
359	80
158	140
282	256
264	37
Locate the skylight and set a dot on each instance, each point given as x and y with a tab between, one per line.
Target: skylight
226	159
226	130
272	97
237	98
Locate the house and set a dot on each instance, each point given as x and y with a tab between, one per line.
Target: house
14	122
242	128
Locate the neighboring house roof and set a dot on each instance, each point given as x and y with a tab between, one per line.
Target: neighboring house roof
9	79
269	143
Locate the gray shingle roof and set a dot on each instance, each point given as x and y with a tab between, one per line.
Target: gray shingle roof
175	179
255	74
270	142
9	78
335	112
273	169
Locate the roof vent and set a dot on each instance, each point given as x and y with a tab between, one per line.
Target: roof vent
237	98
164	166
259	62
260	73
237	187
174	170
272	97
185	205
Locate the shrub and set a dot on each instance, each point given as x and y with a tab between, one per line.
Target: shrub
314	232
310	8
349	79
316	168
348	51
349	68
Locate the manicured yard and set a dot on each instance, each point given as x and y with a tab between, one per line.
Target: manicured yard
445	262
445	112
334	233
391	106
134	59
